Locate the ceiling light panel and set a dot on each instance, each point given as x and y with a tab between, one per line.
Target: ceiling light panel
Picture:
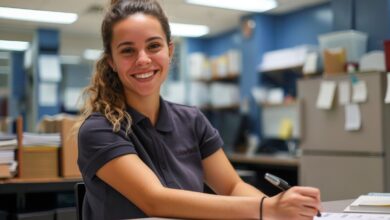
188	30
13	45
241	5
37	15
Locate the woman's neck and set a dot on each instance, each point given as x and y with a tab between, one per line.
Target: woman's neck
148	106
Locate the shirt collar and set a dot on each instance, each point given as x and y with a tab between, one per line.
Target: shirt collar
136	117
164	121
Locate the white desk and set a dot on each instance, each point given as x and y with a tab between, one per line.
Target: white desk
333	206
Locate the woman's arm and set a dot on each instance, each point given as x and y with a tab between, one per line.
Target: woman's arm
133	179
223	179
296	203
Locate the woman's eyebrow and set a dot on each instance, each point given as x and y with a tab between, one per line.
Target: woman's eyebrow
130	43
154	38
125	43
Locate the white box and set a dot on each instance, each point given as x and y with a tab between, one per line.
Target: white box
286	58
354	42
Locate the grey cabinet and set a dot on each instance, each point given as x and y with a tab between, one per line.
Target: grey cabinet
345	164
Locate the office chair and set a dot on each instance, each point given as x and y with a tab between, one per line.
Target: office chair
79	192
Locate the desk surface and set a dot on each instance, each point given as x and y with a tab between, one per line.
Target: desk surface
19	185
333	206
336	206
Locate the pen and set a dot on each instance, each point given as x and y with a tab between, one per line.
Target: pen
281	184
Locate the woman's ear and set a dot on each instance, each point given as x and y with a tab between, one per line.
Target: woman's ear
171	48
111	63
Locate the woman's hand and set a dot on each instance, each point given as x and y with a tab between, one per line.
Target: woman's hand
297	203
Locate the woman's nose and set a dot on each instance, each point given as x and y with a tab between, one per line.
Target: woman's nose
143	59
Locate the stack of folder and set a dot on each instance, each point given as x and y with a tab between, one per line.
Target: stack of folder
371	203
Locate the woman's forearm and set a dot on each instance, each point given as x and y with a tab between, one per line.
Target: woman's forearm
245	189
194	205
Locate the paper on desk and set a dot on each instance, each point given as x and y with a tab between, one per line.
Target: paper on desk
326	95
359	91
351	216
344	92
353	118
387	98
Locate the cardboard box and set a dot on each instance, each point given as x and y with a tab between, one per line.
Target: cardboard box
69	149
334	61
39	162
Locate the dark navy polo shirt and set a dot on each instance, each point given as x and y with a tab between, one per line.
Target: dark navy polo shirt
177	144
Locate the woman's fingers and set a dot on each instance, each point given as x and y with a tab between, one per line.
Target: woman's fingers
307	191
308	200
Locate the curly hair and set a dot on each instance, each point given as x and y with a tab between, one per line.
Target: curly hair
105	94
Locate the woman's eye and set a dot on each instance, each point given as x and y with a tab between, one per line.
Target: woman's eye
154	46
127	50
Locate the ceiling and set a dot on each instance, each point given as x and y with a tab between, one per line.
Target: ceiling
85	31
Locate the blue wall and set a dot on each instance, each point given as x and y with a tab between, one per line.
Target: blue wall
18	80
217	46
253	49
302	27
373	17
343	14
48	43
195	45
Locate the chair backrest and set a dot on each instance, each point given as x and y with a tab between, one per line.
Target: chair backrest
79	192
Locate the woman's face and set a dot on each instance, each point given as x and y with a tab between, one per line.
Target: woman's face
140	55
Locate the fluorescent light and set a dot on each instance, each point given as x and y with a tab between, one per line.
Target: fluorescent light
188	30
241	5
13	45
92	54
36	15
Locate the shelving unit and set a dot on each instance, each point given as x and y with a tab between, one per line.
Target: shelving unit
272	114
23	198
230	77
297	69
215	90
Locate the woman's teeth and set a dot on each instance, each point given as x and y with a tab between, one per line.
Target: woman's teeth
144	75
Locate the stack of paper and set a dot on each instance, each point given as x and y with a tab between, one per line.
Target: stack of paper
370	203
47	140
8	144
351	216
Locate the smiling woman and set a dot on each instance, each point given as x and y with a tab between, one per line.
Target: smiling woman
140	155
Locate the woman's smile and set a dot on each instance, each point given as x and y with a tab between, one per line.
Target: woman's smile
147	76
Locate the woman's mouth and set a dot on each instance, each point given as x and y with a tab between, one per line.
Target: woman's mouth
143	76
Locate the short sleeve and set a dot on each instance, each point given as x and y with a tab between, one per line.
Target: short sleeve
209	139
98	144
